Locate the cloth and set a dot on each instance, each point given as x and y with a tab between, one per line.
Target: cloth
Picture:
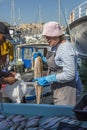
17	90
64	96
66	57
61	61
7	49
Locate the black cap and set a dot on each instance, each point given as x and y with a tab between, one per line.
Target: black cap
4	30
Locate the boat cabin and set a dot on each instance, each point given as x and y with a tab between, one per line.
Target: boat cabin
24	53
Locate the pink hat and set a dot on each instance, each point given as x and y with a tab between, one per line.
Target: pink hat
52	29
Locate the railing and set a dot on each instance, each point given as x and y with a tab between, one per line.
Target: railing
78	12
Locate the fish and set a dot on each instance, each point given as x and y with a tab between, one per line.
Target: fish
5	124
34	117
66	119
10	117
20	128
38	72
17	118
36	128
53	122
75	122
2	116
33	128
48	120
14	126
23	123
32	123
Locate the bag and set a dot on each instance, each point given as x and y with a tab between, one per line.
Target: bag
16	91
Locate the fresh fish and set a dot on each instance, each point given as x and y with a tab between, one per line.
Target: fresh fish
5	124
20	128
16	118
33	129
34	117
53	122
2	116
75	122
66	119
38	71
48	120
10	117
32	123
23	123
19	119
14	126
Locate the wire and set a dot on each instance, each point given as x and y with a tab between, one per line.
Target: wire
66	20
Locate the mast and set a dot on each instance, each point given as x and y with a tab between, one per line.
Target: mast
13	20
19	18
59	11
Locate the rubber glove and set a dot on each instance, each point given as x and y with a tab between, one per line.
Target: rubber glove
36	54
46	80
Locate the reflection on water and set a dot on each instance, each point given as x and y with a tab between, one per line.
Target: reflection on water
83	73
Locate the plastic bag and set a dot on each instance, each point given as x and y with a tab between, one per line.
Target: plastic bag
16	91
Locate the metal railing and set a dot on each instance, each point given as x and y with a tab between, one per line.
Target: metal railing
78	12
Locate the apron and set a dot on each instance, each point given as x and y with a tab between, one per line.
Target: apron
63	93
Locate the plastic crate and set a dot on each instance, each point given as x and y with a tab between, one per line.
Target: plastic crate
78	109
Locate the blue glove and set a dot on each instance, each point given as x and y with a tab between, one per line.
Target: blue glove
36	54
46	80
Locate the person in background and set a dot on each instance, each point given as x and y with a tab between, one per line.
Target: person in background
6	52
62	65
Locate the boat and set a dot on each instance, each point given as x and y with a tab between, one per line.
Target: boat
78	29
23	65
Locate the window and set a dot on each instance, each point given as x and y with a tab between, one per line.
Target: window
27	53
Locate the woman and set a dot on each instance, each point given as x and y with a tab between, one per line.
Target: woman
62	65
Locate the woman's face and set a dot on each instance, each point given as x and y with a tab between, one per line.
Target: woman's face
53	41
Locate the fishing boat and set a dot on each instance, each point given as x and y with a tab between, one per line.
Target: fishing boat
78	28
24	66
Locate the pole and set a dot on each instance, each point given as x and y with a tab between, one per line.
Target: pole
59	10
